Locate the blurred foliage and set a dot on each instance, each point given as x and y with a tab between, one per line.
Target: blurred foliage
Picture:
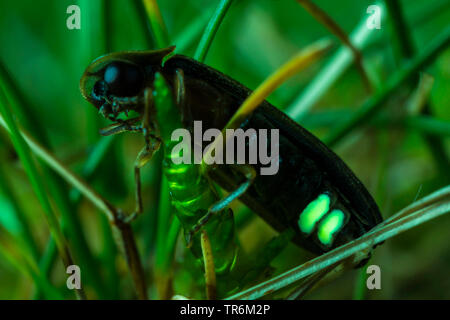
394	161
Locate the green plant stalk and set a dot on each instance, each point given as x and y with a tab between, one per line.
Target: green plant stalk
72	228
164	216
428	125
108	259
376	102
185	39
56	187
259	261
26	266
208	261
402	34
420	123
124	235
93	161
406	50
168	241
309	283
332	26
360	289
174	230
361	37
46	262
93	41
108	256
48	257
37	184
163	255
25	232
108	24
423	210
96	156
341	60
23	237
145	24
13	93
242	217
211	30
157	23
430	12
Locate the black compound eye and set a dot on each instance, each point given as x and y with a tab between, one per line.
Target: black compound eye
123	79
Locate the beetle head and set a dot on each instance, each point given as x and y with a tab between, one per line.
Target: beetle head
115	82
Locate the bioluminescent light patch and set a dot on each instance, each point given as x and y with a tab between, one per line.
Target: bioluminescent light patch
313	212
329	226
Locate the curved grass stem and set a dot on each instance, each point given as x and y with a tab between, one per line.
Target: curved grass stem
26	265
37	183
157	23
210	272
321	16
337	65
57	189
211	30
125	238
377	101
406	48
428	208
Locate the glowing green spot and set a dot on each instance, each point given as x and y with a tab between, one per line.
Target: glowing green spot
329	226
178	169
192	201
177	186
313	212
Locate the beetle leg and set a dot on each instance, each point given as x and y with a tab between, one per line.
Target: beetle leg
210	272
102	110
148	125
121	126
152	143
115	108
142	159
250	175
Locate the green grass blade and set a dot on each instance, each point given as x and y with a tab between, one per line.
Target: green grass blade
376	102
343	58
56	187
211	30
405	46
186	39
145	24
25	265
157	23
36	182
24	232
332	26
360	289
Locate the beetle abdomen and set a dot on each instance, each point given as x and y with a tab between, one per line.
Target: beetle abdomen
308	170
